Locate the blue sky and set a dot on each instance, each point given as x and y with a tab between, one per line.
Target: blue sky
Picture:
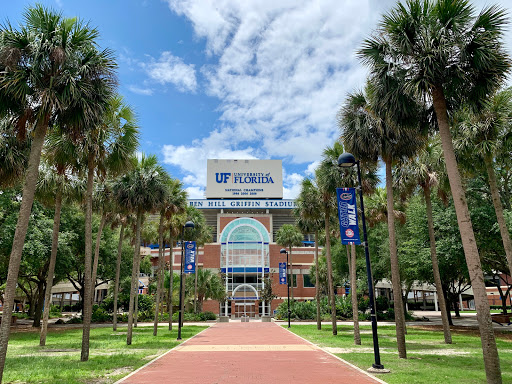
233	78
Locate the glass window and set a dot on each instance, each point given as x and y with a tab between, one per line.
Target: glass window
307	281
294	281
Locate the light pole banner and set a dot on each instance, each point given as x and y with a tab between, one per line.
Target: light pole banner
190	257
347	215
282	273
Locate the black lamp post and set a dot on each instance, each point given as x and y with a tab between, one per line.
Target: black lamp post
291	275
188	224
347	160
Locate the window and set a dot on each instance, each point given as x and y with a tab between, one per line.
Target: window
307	282
294	281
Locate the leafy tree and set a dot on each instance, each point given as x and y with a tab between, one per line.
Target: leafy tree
451	57
50	70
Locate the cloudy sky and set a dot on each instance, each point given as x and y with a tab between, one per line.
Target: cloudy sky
233	79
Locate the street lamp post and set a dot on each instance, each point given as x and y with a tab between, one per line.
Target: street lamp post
347	160
291	275
188	224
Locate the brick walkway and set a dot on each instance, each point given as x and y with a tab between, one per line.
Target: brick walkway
245	353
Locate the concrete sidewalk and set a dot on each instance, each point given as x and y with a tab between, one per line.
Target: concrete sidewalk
248	353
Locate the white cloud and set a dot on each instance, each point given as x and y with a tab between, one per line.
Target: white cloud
291	185
192	160
310	170
195	192
140	91
169	69
280	69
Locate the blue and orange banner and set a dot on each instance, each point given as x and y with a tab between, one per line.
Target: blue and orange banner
190	257
282	273
347	215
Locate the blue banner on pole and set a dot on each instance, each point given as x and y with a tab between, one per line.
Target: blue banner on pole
190	257
282	273
347	215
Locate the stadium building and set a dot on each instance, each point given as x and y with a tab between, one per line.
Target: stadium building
245	207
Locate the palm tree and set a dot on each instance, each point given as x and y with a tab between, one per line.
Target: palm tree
425	171
175	204
328	178
209	286
53	187
370	132
201	234
289	236
309	218
45	79
107	149
469	63
175	223
486	135
13	154
141	190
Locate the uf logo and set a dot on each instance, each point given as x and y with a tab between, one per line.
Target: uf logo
222	177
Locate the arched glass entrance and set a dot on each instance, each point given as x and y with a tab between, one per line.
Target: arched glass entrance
244	260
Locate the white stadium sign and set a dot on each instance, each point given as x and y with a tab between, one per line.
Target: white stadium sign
239	203
244	179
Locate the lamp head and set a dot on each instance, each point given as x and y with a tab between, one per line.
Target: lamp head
346	160
189	224
283	250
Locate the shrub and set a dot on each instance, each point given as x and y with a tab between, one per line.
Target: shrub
205	316
99	315
146	303
55	311
75	320
382	303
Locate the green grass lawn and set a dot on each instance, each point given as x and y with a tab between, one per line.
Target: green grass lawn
429	359
109	360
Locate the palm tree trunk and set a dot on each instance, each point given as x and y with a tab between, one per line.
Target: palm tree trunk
134	287
395	270
118	274
51	266
330	281
490	351
498	208
171	279
159	272
291	273
195	288
435	267
97	253
353	294
136	305
87	300
317	286
29	189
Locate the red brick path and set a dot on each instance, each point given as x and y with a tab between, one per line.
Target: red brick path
245	353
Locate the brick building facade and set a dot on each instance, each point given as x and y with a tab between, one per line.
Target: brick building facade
245	254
